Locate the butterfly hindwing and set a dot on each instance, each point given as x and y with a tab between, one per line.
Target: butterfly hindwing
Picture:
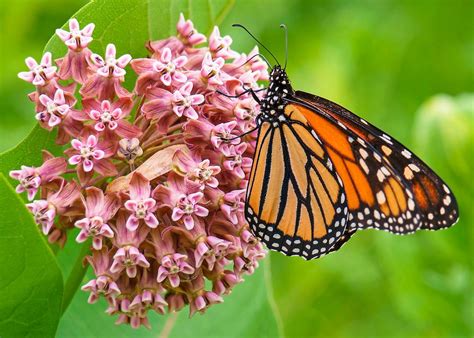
295	200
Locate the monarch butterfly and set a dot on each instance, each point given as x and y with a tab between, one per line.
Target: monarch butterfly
320	173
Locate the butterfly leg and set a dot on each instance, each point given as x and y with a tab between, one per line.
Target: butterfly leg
246	91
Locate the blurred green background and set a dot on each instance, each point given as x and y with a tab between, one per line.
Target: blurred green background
406	66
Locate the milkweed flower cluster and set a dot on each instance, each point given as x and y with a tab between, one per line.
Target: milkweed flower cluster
154	178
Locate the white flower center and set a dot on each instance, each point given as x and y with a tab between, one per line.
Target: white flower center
86	152
141	211
106	117
51	107
205	174
170	67
188	208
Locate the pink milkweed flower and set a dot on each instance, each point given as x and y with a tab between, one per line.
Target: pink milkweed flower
44	211
211	69
226	282
233	206
252	62
211	250
140	204
31	178
39	74
128	258
76	39
109	73
111	67
176	301
75	64
220	45
184	102
198	133
246	112
195	169
165	69
150	296
101	286
203	301
92	156
187	34
129	149
123	236
105	283
111	117
55	112
99	210
171	267
188	209
170	68
235	160
224	134
88	153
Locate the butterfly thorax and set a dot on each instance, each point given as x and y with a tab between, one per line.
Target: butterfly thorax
273	104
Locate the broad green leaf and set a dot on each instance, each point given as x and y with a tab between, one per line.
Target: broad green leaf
246	312
31	285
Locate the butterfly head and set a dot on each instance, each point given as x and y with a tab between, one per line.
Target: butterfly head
274	102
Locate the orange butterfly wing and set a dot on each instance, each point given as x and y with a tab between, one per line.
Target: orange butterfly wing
387	187
295	200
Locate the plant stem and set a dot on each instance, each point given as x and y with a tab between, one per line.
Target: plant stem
75	277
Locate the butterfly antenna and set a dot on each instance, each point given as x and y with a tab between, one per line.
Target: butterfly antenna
286	43
261	44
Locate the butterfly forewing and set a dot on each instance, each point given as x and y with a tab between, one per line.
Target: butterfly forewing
407	195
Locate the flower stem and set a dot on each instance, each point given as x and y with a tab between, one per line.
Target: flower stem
169	324
75	276
160	140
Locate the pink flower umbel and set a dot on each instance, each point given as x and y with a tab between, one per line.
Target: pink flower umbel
154	180
140	204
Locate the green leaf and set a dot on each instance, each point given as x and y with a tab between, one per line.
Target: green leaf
246	312
31	284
